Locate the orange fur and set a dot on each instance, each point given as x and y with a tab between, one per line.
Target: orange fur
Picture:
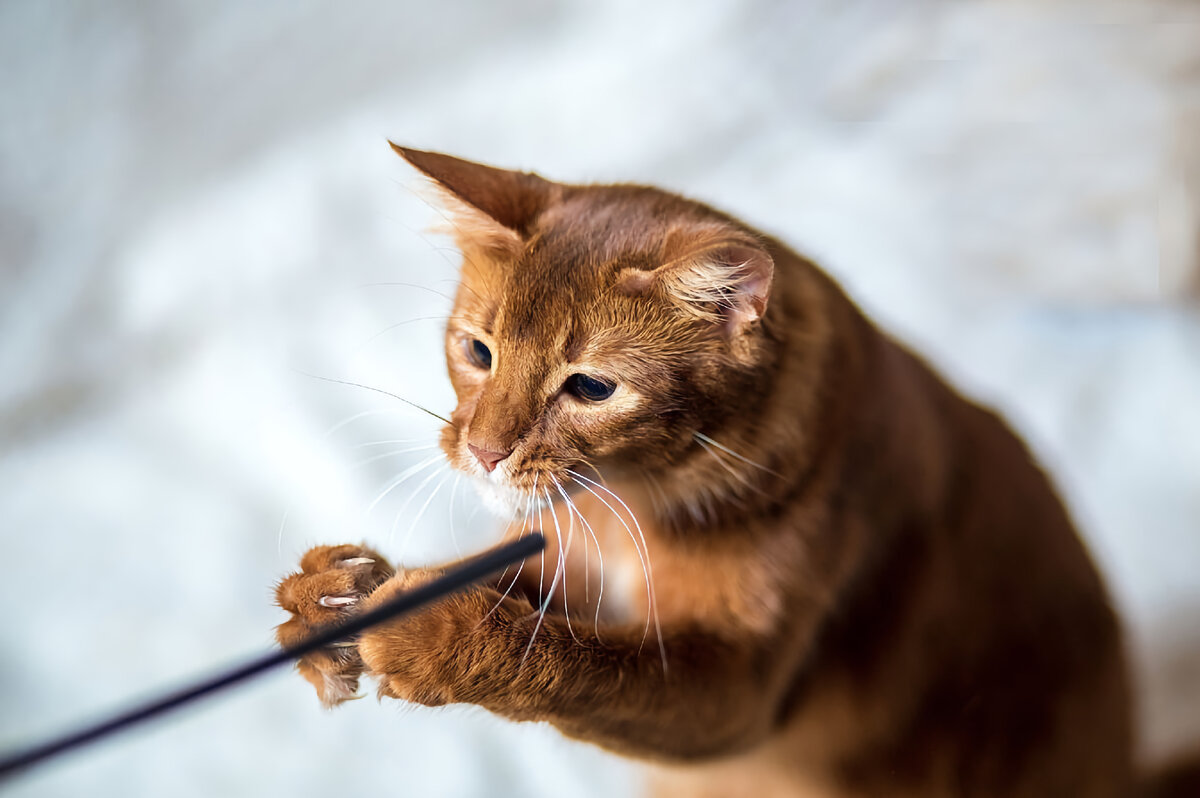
863	583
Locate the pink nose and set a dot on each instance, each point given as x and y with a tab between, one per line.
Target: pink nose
488	459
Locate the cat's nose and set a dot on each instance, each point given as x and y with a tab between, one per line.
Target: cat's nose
488	459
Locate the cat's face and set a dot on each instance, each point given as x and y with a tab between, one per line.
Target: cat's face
595	329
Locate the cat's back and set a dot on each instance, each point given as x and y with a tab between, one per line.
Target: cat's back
975	652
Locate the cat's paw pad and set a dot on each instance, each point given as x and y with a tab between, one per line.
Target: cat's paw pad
330	584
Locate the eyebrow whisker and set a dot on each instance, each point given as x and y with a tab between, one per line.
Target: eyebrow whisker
382	391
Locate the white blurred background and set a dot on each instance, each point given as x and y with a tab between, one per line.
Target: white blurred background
198	208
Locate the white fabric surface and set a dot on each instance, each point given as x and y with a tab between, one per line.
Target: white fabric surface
198	207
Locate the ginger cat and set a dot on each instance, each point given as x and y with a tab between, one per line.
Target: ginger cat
825	573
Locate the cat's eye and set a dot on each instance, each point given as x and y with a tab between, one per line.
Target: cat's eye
479	354
589	388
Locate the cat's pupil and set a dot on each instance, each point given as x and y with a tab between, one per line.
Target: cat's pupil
480	354
589	388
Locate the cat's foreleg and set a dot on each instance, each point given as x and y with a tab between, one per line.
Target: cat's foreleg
714	695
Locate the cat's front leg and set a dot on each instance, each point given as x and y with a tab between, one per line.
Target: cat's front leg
444	653
713	697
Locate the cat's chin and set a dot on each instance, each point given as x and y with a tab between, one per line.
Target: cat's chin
504	501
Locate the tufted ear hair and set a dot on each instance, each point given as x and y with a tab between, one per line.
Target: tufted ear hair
495	208
723	276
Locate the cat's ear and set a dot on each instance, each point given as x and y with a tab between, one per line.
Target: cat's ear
724	279
495	208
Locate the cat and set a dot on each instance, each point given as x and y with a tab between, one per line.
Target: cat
785	558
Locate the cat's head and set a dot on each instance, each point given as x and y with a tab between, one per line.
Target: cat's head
596	329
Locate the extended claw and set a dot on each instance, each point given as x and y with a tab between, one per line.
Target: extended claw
354	562
337	601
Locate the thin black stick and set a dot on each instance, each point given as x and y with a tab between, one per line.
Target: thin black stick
456	578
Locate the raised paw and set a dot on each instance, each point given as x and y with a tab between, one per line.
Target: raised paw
331	583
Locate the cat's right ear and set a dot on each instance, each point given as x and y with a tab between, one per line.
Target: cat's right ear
715	274
489	207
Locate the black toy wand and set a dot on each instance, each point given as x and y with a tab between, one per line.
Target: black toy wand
456	578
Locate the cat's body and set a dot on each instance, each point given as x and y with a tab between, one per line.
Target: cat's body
863	584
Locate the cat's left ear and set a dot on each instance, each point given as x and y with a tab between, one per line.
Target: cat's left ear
495	208
727	281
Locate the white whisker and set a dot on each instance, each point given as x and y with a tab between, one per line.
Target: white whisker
282	524
395	440
396	396
432	475
599	554
520	532
475	513
453	495
395	453
346	421
396	326
740	477
647	569
516	576
424	507
398	284
537	505
562	563
549	593
404	476
700	436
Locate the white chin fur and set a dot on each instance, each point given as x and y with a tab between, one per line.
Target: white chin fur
502	500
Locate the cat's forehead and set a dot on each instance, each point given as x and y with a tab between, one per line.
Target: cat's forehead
614	223
558	299
559	296
559	306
